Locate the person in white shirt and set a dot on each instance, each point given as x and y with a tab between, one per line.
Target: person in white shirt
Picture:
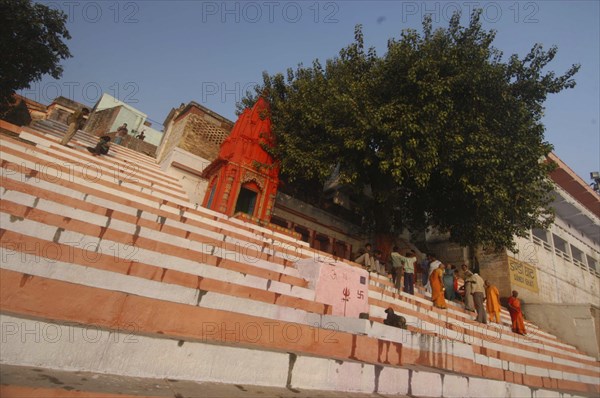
409	272
478	292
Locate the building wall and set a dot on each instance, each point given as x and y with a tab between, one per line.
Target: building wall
561	279
172	137
575	324
203	136
153	136
196	130
187	168
493	266
100	122
319	228
59	113
539	271
125	113
134	120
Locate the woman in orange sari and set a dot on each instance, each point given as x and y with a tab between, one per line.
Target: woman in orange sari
514	308
436	282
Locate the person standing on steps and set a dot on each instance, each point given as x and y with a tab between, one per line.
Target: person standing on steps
425	269
409	272
493	302
516	315
397	266
434	264
76	122
467	275
449	282
121	132
478	297
436	283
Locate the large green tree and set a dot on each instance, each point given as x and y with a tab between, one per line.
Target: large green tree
443	131
31	45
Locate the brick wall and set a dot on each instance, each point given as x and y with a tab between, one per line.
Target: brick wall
202	136
493	266
99	122
171	139
196	131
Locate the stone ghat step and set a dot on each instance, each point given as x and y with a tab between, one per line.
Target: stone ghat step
133	166
456	313
79	149
195	369
162	208
202	259
43	137
57	131
54	269
127	178
31	272
98	270
99	208
165	351
185	209
182	281
83	140
497	350
96	227
428	322
24	295
423	349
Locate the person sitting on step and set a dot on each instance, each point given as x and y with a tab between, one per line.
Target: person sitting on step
101	147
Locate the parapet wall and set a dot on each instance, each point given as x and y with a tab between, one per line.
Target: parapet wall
576	324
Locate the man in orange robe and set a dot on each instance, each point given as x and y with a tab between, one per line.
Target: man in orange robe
437	287
493	302
514	307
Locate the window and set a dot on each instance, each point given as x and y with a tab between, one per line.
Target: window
560	247
246	201
578	256
212	195
279	221
540	237
341	249
559	244
322	243
541	234
592	264
303	233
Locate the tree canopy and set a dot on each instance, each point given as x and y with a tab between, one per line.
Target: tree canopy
444	132
31	44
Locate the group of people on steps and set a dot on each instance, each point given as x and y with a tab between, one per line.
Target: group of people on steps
444	282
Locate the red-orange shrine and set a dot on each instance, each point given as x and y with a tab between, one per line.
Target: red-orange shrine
244	177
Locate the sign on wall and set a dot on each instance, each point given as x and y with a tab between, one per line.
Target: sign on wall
523	275
344	287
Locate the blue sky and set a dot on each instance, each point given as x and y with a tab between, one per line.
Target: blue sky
155	55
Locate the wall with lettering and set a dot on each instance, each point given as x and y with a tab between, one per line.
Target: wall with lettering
523	275
558	279
344	287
